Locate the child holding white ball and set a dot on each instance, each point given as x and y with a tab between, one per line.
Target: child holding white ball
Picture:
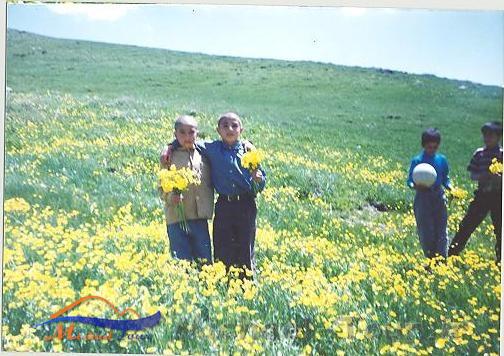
428	175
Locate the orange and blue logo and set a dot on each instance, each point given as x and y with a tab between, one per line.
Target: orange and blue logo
122	325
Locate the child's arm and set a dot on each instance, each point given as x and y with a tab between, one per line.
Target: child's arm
481	176
409	181
259	176
446	176
248	145
164	158
200	145
476	173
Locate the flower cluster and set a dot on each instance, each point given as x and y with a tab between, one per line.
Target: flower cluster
177	180
252	159
495	167
16	204
458	193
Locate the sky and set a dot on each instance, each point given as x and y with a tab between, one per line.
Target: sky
465	45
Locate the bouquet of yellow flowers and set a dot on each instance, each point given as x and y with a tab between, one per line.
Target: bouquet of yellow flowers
458	193
178	181
251	160
495	167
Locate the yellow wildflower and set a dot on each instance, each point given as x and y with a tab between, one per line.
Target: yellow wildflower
440	343
495	167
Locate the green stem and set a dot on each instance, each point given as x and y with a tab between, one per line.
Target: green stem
182	218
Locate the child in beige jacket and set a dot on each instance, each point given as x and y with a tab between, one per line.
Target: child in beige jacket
193	244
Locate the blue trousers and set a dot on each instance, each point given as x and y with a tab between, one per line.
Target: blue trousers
431	218
194	245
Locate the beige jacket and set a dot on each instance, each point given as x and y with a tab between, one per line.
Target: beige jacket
198	200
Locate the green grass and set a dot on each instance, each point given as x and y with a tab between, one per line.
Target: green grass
339	106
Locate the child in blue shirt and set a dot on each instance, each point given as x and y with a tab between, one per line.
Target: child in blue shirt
430	202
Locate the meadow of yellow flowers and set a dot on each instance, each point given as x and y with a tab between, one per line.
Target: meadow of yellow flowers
83	217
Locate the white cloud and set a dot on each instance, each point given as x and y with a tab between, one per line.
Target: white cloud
94	12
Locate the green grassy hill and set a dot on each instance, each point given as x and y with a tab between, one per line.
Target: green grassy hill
346	106
85	123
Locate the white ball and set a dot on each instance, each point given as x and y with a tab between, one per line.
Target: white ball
424	174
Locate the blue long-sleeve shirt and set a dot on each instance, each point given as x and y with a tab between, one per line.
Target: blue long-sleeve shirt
228	176
440	164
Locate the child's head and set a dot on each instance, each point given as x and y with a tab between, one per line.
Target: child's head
186	131
229	127
431	139
492	133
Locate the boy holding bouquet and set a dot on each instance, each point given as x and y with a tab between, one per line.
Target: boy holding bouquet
234	226
488	196
188	234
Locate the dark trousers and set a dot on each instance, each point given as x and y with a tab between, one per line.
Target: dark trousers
483	203
234	230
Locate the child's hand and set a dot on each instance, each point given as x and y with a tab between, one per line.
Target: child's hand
449	193
177	198
166	155
257	175
248	145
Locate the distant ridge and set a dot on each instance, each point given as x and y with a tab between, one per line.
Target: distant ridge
27	36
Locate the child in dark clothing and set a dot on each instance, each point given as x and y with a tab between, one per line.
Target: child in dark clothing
488	196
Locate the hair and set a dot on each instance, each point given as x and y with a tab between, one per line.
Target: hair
431	135
229	115
493	126
185	120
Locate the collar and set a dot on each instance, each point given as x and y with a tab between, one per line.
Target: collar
496	148
234	146
180	148
425	155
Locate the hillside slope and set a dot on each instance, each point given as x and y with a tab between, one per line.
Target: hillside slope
345	106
